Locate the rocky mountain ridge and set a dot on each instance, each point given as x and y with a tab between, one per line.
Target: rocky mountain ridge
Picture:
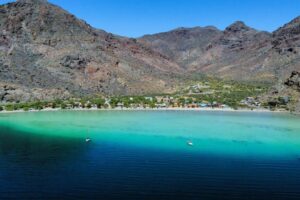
46	52
239	52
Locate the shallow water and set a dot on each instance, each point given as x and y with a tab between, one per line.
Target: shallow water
144	155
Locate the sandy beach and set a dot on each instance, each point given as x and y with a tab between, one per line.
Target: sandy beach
149	109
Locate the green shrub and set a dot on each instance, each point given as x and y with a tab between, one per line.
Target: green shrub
9	107
89	106
63	106
99	102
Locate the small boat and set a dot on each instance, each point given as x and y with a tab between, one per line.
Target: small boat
87	140
190	143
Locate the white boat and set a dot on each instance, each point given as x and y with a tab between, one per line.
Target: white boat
87	140
87	137
190	143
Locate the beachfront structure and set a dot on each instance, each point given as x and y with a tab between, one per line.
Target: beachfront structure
161	105
203	105
120	105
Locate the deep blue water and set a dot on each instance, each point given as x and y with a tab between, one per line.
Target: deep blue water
53	168
37	166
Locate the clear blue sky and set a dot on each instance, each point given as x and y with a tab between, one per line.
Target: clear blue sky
134	18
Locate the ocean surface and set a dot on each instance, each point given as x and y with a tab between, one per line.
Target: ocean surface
145	155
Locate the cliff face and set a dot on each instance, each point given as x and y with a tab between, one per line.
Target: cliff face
44	48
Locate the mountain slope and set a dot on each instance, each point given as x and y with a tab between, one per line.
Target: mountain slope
239	52
44	47
183	45
46	52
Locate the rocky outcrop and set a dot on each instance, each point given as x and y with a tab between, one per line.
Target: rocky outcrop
285	95
13	93
74	62
294	81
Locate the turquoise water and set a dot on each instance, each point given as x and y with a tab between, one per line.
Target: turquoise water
133	149
235	134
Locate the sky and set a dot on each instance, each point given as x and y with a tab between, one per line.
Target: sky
134	18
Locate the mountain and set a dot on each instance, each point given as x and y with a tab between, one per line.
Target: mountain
287	38
46	52
239	52
183	45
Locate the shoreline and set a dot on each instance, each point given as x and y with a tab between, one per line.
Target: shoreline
149	109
